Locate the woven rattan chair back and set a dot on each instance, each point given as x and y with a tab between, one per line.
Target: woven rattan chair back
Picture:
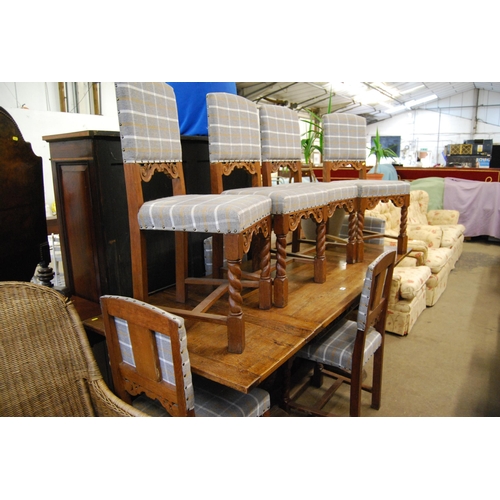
46	365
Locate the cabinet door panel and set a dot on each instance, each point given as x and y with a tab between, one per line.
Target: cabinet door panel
78	222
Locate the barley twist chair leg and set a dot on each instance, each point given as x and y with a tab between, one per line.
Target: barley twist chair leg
281	279
265	284
403	237
235	322
320	258
360	254
351	249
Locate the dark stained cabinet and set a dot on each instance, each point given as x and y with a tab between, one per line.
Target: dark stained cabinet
91	203
83	164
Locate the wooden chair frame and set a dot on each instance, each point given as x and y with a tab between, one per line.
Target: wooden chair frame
146	376
376	318
236	245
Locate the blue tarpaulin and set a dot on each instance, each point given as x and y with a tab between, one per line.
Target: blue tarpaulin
191	100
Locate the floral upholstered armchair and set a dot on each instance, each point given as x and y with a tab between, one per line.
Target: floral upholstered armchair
443	224
435	237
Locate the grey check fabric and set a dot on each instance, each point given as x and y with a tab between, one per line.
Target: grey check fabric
216	400
280	134
289	198
335	347
147	113
344	137
368	188
208	398
332	191
209	213
285	198
365	294
233	128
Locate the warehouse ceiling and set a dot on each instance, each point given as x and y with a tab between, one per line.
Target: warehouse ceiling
376	101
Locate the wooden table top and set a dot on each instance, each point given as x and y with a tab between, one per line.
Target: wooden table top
274	336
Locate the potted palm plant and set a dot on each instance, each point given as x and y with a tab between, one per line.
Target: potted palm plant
313	137
380	152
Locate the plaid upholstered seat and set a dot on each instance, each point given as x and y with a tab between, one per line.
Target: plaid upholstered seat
151	144
163	371
336	347
204	213
382	189
348	345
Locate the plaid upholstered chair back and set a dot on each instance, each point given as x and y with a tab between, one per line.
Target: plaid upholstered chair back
233	128
280	141
280	133
148	121
148	353
375	295
344	137
233	138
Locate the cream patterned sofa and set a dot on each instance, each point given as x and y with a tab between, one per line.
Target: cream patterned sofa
435	236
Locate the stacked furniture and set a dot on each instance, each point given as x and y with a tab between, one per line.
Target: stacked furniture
151	145
235	143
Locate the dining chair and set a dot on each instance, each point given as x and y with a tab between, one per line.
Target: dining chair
281	148
47	368
344	348
149	358
151	144
235	142
344	145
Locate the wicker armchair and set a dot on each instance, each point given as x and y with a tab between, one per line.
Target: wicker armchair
46	365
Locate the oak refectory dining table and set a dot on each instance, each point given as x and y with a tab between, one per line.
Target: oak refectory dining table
272	336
